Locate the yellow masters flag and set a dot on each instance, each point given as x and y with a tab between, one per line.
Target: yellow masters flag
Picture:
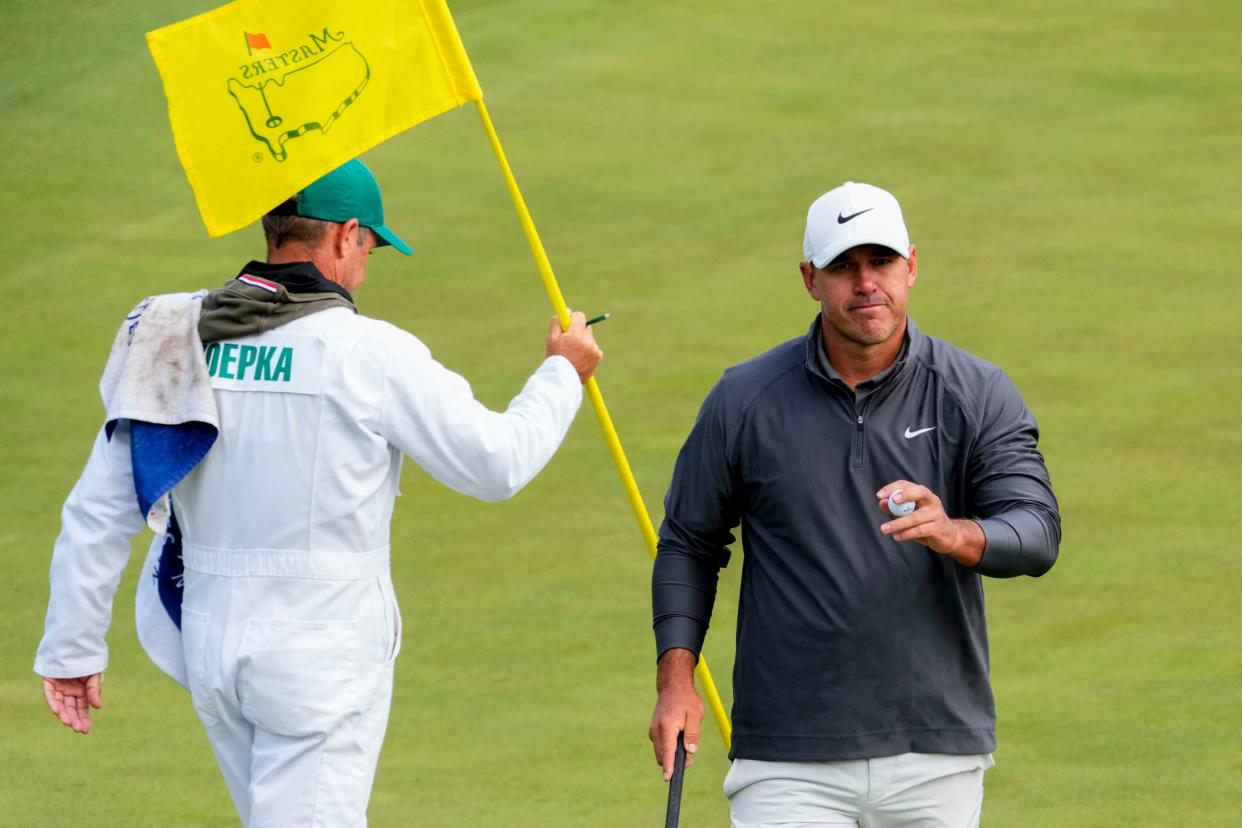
265	96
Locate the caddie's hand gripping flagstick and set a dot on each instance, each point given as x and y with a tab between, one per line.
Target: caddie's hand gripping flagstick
673	814
597	401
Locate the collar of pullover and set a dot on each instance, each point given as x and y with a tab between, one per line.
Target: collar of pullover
817	358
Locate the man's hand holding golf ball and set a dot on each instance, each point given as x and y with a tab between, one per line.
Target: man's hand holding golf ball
918	515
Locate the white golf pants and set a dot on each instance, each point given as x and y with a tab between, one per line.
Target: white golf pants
927	790
292	678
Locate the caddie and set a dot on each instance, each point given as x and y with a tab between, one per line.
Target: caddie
274	557
860	684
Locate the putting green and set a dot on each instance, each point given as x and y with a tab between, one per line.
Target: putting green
1069	172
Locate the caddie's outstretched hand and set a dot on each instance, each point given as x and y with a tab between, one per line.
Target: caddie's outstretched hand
678	709
71	700
577	344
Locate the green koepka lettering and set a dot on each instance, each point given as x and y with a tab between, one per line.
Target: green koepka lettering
233	361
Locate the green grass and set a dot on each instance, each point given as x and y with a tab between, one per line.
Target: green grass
1070	173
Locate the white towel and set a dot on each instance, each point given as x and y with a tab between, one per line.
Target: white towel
156	372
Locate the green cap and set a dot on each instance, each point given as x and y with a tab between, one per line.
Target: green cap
349	191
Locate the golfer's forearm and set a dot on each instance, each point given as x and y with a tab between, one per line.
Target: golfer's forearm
1020	541
968	548
676	668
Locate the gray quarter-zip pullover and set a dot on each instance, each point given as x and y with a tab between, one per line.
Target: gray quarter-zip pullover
850	645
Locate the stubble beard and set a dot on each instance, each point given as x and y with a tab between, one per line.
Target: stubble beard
867	332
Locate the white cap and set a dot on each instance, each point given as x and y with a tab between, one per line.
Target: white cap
851	215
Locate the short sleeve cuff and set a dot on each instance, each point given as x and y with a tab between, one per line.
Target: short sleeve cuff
679	633
1002	550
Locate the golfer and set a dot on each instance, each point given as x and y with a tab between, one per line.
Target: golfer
861	692
288	622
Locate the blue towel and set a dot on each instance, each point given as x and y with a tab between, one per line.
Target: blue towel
162	455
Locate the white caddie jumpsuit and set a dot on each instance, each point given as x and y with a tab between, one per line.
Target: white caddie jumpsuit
289	623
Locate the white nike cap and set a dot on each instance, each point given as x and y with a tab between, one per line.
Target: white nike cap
851	215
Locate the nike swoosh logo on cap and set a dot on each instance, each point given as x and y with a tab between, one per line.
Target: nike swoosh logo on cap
843	219
910	433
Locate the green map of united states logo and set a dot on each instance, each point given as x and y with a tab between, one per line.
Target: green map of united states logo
286	94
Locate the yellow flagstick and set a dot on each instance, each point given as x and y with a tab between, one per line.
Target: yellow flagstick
597	400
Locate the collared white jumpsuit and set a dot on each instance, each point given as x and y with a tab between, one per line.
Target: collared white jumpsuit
289	623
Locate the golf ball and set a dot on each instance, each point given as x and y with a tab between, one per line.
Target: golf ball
900	509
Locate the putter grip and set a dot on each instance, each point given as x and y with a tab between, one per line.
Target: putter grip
674	784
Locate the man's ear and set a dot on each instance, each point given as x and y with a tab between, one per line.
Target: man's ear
346	238
913	261
808	279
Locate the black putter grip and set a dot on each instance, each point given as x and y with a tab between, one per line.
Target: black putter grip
674	784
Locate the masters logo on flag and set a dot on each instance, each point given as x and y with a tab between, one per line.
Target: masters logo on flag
300	90
265	96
